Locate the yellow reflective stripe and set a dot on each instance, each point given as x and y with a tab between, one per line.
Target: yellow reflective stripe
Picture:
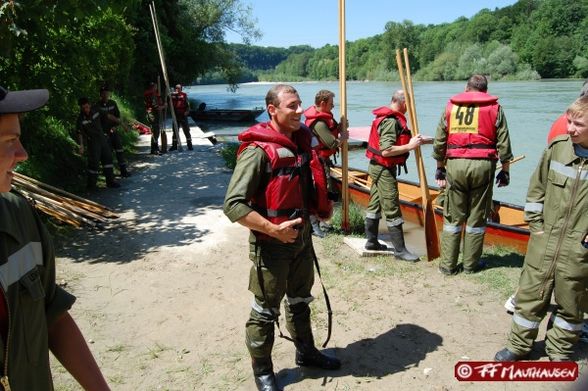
20	263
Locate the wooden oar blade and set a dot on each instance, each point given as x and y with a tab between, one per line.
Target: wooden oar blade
431	236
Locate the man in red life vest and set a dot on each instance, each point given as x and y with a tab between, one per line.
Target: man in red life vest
389	144
271	193
472	135
319	118
181	110
154	105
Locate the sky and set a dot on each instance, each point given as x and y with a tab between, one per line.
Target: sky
316	22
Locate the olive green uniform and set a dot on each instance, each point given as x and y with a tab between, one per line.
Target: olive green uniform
556	261
468	197
97	147
34	301
278	268
384	196
323	133
110	128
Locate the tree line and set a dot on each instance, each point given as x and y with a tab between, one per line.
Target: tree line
530	39
73	47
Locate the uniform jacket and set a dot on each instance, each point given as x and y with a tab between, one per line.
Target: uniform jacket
27	279
557	201
373	151
90	125
110	107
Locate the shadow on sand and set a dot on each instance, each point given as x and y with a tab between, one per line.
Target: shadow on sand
396	350
157	202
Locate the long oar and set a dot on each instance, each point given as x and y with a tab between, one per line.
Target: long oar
343	122
164	71
430	225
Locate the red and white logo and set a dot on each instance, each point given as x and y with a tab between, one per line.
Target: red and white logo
516	371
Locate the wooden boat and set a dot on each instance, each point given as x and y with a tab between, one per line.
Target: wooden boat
506	226
223	115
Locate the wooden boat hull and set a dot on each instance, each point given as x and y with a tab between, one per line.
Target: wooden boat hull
507	227
226	115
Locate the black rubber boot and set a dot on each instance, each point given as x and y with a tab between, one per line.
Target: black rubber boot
307	355
316	228
154	148
507	355
174	147
92	179
371	232
124	172
190	147
400	251
263	373
110	182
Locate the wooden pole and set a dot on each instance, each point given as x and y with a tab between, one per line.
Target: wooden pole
23	178
430	225
164	72
343	121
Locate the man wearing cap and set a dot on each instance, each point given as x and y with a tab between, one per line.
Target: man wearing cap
110	119
90	134
181	109
34	313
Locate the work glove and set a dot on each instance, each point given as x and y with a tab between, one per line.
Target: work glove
441	174
503	178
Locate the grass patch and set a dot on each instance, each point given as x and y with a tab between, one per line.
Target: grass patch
356	219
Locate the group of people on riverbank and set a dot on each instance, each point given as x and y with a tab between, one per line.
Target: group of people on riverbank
155	106
97	129
275	192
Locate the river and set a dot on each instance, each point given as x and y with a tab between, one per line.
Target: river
530	108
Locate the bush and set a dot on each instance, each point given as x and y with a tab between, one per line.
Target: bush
52	152
229	153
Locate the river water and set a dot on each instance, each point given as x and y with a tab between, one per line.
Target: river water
530	108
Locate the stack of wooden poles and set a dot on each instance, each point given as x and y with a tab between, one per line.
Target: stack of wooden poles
61	205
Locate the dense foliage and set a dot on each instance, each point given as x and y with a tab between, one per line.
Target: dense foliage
527	40
73	47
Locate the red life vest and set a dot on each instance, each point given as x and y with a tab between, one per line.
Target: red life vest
291	161
180	102
373	150
559	127
152	100
312	116
471	126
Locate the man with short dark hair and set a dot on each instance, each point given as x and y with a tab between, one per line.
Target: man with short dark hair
91	136
270	193
154	105
34	315
181	110
471	136
110	120
319	118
